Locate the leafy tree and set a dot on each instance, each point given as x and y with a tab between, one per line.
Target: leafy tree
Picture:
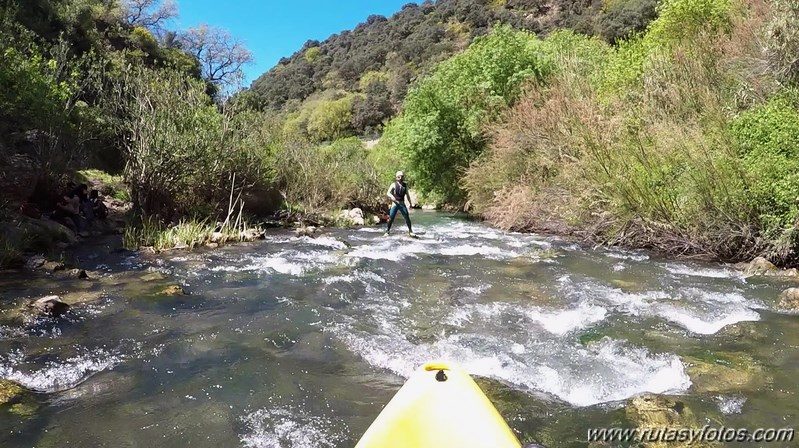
440	128
331	119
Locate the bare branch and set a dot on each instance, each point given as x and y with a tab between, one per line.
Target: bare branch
221	56
152	14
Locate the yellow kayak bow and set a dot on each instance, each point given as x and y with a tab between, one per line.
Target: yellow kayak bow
439	406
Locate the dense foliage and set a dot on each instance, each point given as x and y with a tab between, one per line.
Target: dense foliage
680	139
440	130
381	57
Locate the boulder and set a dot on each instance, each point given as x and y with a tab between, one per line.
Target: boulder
18	177
725	372
53	266
51	306
216	237
760	266
52	229
664	415
308	231
353	217
355	213
789	299
356	216
35	262
10	392
173	290
251	234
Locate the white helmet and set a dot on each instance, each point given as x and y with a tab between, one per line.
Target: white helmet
400	174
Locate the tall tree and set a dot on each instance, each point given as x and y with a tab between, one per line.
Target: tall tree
152	14
221	56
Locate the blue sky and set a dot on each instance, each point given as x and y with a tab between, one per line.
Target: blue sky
273	29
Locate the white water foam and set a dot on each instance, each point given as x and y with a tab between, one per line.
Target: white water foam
286	427
696	310
324	241
289	262
57	376
581	377
709	322
565	321
731	405
703	272
625	255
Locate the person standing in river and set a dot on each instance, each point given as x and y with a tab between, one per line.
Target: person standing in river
397	193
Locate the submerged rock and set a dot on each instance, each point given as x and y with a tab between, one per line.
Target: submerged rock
51	306
725	372
745	331
153	276
81	297
10	392
16	398
789	299
174	290
663	415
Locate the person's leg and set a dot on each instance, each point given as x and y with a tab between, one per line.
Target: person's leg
404	211
391	215
88	212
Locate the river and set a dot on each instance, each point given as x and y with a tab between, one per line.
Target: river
299	342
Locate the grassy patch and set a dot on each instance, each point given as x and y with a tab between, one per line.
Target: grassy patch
149	231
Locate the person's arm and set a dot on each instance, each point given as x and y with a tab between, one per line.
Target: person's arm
390	193
408	195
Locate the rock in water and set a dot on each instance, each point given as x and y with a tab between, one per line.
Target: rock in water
53	266
35	262
664	417
789	299
174	290
51	306
760	266
10	392
725	372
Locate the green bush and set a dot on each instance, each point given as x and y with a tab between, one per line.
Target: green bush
331	119
327	177
183	154
677	20
439	132
768	138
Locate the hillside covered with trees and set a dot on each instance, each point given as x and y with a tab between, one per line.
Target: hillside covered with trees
352	82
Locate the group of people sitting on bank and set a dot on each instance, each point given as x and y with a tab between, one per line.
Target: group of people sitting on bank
78	208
